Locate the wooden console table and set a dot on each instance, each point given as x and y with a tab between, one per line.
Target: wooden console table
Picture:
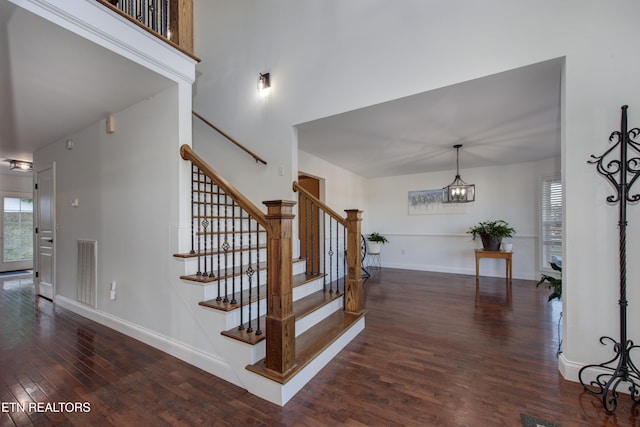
507	256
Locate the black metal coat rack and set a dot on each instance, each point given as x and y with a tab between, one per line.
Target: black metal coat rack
622	174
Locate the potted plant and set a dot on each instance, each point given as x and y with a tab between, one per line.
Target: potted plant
553	284
375	242
492	233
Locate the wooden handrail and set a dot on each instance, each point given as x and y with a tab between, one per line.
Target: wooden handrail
320	204
181	26
242	147
187	154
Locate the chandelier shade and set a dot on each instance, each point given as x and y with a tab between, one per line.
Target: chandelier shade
458	191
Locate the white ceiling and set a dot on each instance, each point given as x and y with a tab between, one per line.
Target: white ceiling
510	117
53	83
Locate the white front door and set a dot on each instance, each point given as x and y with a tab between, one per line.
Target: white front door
16	231
45	232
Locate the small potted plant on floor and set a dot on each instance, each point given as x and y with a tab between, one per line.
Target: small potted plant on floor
553	283
492	233
375	242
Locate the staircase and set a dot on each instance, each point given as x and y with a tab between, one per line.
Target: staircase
276	323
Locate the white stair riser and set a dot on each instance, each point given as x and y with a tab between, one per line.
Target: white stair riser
306	322
227	260
307	289
241	282
233	317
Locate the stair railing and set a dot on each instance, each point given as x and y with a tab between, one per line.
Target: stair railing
257	158
171	20
220	213
331	245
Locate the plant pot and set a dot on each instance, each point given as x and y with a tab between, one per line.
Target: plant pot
490	243
374	247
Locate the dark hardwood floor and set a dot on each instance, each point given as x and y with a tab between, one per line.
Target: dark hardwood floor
436	351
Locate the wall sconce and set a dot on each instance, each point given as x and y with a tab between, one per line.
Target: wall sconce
264	81
20	165
458	191
110	123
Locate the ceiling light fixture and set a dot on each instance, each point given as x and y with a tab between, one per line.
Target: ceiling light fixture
458	191
20	165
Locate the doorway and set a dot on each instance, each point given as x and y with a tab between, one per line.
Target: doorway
45	232
308	224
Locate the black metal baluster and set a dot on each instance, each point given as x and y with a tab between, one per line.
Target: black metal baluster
307	241
218	234
154	10
167	19
225	247
205	223
330	253
193	201
241	257
258	330
250	274
199	273
233	253
337	254
322	244
212	236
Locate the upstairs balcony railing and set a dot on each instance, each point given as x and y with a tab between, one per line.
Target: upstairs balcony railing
171	20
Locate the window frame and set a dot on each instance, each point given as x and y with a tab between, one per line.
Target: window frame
547	221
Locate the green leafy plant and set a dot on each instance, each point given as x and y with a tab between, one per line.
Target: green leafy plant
554	284
496	229
378	238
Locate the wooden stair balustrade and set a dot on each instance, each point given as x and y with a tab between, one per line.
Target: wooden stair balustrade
177	32
352	235
276	301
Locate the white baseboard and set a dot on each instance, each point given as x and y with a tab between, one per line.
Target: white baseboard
570	371
447	269
191	355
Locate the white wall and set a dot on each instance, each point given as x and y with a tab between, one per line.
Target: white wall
16	183
126	186
341	189
331	56
438	242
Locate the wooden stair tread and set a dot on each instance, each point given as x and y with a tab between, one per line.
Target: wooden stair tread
221	275
227	306
301	308
199	278
302	278
311	343
216	252
248	337
230	232
312	302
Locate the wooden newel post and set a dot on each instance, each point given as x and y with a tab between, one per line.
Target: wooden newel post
280	323
181	25
354	290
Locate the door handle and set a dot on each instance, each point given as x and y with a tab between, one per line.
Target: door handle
50	240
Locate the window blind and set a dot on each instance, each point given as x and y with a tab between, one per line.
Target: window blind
551	221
